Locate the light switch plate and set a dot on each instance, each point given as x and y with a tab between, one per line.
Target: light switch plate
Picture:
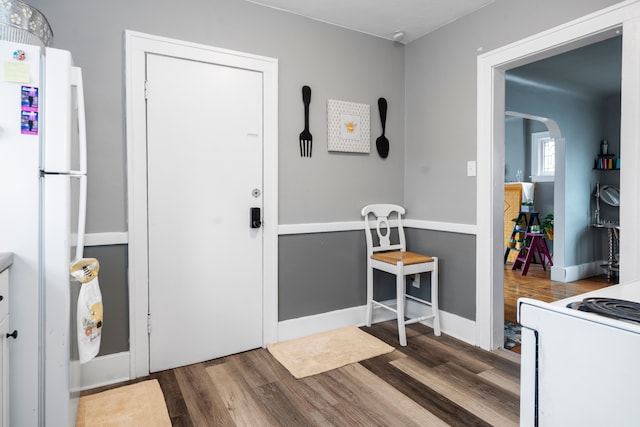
471	168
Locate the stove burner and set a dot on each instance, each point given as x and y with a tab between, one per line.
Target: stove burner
610	307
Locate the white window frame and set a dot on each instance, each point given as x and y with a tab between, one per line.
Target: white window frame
538	141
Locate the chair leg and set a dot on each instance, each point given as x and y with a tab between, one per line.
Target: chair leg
369	294
434	298
400	291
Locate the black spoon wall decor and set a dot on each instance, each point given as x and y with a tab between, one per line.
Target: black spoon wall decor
382	143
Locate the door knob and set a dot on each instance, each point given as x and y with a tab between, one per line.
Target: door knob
13	334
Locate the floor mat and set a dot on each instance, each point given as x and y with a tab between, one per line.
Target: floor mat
329	350
141	404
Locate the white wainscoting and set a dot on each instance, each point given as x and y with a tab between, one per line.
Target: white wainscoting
106	239
121	237
329	227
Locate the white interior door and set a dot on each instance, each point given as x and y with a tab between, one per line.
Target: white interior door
204	155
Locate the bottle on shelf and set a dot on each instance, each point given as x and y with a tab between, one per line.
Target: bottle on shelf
606	160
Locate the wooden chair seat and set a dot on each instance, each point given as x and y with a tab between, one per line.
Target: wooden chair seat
407	258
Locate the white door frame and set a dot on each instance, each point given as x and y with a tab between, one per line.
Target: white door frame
137	45
490	155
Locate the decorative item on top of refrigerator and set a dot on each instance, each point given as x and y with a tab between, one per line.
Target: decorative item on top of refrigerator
22	23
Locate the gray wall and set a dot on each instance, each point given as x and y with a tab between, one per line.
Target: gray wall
441	99
115	299
330	273
515	149
320	273
335	62
430	86
441	114
456	260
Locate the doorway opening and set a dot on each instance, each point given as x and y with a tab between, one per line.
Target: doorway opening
492	68
581	88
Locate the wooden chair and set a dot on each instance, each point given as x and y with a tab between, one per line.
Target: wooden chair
393	258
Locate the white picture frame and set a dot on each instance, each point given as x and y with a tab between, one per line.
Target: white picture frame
348	127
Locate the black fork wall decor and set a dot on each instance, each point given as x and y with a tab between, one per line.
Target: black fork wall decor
306	140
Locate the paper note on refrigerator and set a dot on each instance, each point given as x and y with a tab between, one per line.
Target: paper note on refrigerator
17	72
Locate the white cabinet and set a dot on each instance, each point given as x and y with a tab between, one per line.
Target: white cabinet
4	349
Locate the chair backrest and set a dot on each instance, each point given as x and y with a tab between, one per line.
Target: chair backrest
384	222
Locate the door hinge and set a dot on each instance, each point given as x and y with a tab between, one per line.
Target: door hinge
149	323
146	89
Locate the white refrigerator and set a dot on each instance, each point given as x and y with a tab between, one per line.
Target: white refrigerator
42	217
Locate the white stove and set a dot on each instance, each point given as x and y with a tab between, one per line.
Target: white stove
580	367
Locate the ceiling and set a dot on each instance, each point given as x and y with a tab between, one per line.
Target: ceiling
592	70
382	18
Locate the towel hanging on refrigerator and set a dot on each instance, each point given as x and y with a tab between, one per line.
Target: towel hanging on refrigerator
89	328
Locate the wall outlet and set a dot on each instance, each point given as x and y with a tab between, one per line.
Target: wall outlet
415	281
471	168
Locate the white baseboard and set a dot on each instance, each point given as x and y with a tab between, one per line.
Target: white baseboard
577	272
114	368
450	324
459	327
314	324
104	370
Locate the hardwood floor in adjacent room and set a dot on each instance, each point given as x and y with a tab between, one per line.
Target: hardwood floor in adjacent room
433	381
538	285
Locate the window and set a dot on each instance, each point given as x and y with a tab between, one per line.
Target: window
543	157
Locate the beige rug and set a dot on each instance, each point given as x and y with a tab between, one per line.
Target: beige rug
326	351
140	405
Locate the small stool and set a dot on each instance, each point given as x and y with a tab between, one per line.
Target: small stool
527	219
538	245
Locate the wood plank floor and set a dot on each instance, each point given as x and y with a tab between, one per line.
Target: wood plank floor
433	381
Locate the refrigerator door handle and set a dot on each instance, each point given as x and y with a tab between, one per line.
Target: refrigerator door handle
82	216
76	80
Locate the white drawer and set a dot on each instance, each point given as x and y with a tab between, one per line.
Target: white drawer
4	294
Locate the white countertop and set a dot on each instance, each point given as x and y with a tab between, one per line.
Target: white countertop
6	259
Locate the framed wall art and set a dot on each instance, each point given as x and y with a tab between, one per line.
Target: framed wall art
348	126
